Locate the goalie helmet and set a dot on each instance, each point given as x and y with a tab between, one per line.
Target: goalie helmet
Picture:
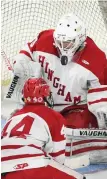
36	90
69	35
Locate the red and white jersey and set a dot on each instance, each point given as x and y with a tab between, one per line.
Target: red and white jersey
69	83
33	133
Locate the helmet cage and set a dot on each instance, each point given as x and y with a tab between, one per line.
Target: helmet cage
69	29
69	49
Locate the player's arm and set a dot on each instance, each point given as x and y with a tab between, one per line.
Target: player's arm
97	104
25	66
23	70
97	97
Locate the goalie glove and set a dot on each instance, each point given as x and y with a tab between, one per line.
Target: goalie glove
23	69
101	114
26	68
97	104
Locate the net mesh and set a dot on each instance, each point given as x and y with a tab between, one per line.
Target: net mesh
22	20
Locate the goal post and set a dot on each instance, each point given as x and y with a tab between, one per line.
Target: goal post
22	20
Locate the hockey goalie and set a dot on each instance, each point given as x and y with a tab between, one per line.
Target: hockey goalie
66	58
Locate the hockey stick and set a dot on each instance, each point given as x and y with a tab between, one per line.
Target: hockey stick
7	62
67	170
7	74
15	78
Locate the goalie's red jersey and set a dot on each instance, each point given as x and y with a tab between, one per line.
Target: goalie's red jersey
31	134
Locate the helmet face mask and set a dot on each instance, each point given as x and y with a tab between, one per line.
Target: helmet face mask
69	35
65	45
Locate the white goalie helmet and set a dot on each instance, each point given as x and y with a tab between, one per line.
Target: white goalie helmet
69	35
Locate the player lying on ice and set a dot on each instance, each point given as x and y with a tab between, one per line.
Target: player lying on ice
33	144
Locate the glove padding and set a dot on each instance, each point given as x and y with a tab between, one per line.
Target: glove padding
23	69
101	114
97	104
79	116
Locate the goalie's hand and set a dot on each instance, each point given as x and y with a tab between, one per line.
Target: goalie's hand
97	104
25	69
101	114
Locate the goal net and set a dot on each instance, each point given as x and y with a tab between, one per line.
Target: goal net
22	20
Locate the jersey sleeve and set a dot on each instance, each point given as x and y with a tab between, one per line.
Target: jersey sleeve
58	138
97	91
55	146
97	78
25	66
97	96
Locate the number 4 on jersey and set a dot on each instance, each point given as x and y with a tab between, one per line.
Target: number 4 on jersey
23	127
